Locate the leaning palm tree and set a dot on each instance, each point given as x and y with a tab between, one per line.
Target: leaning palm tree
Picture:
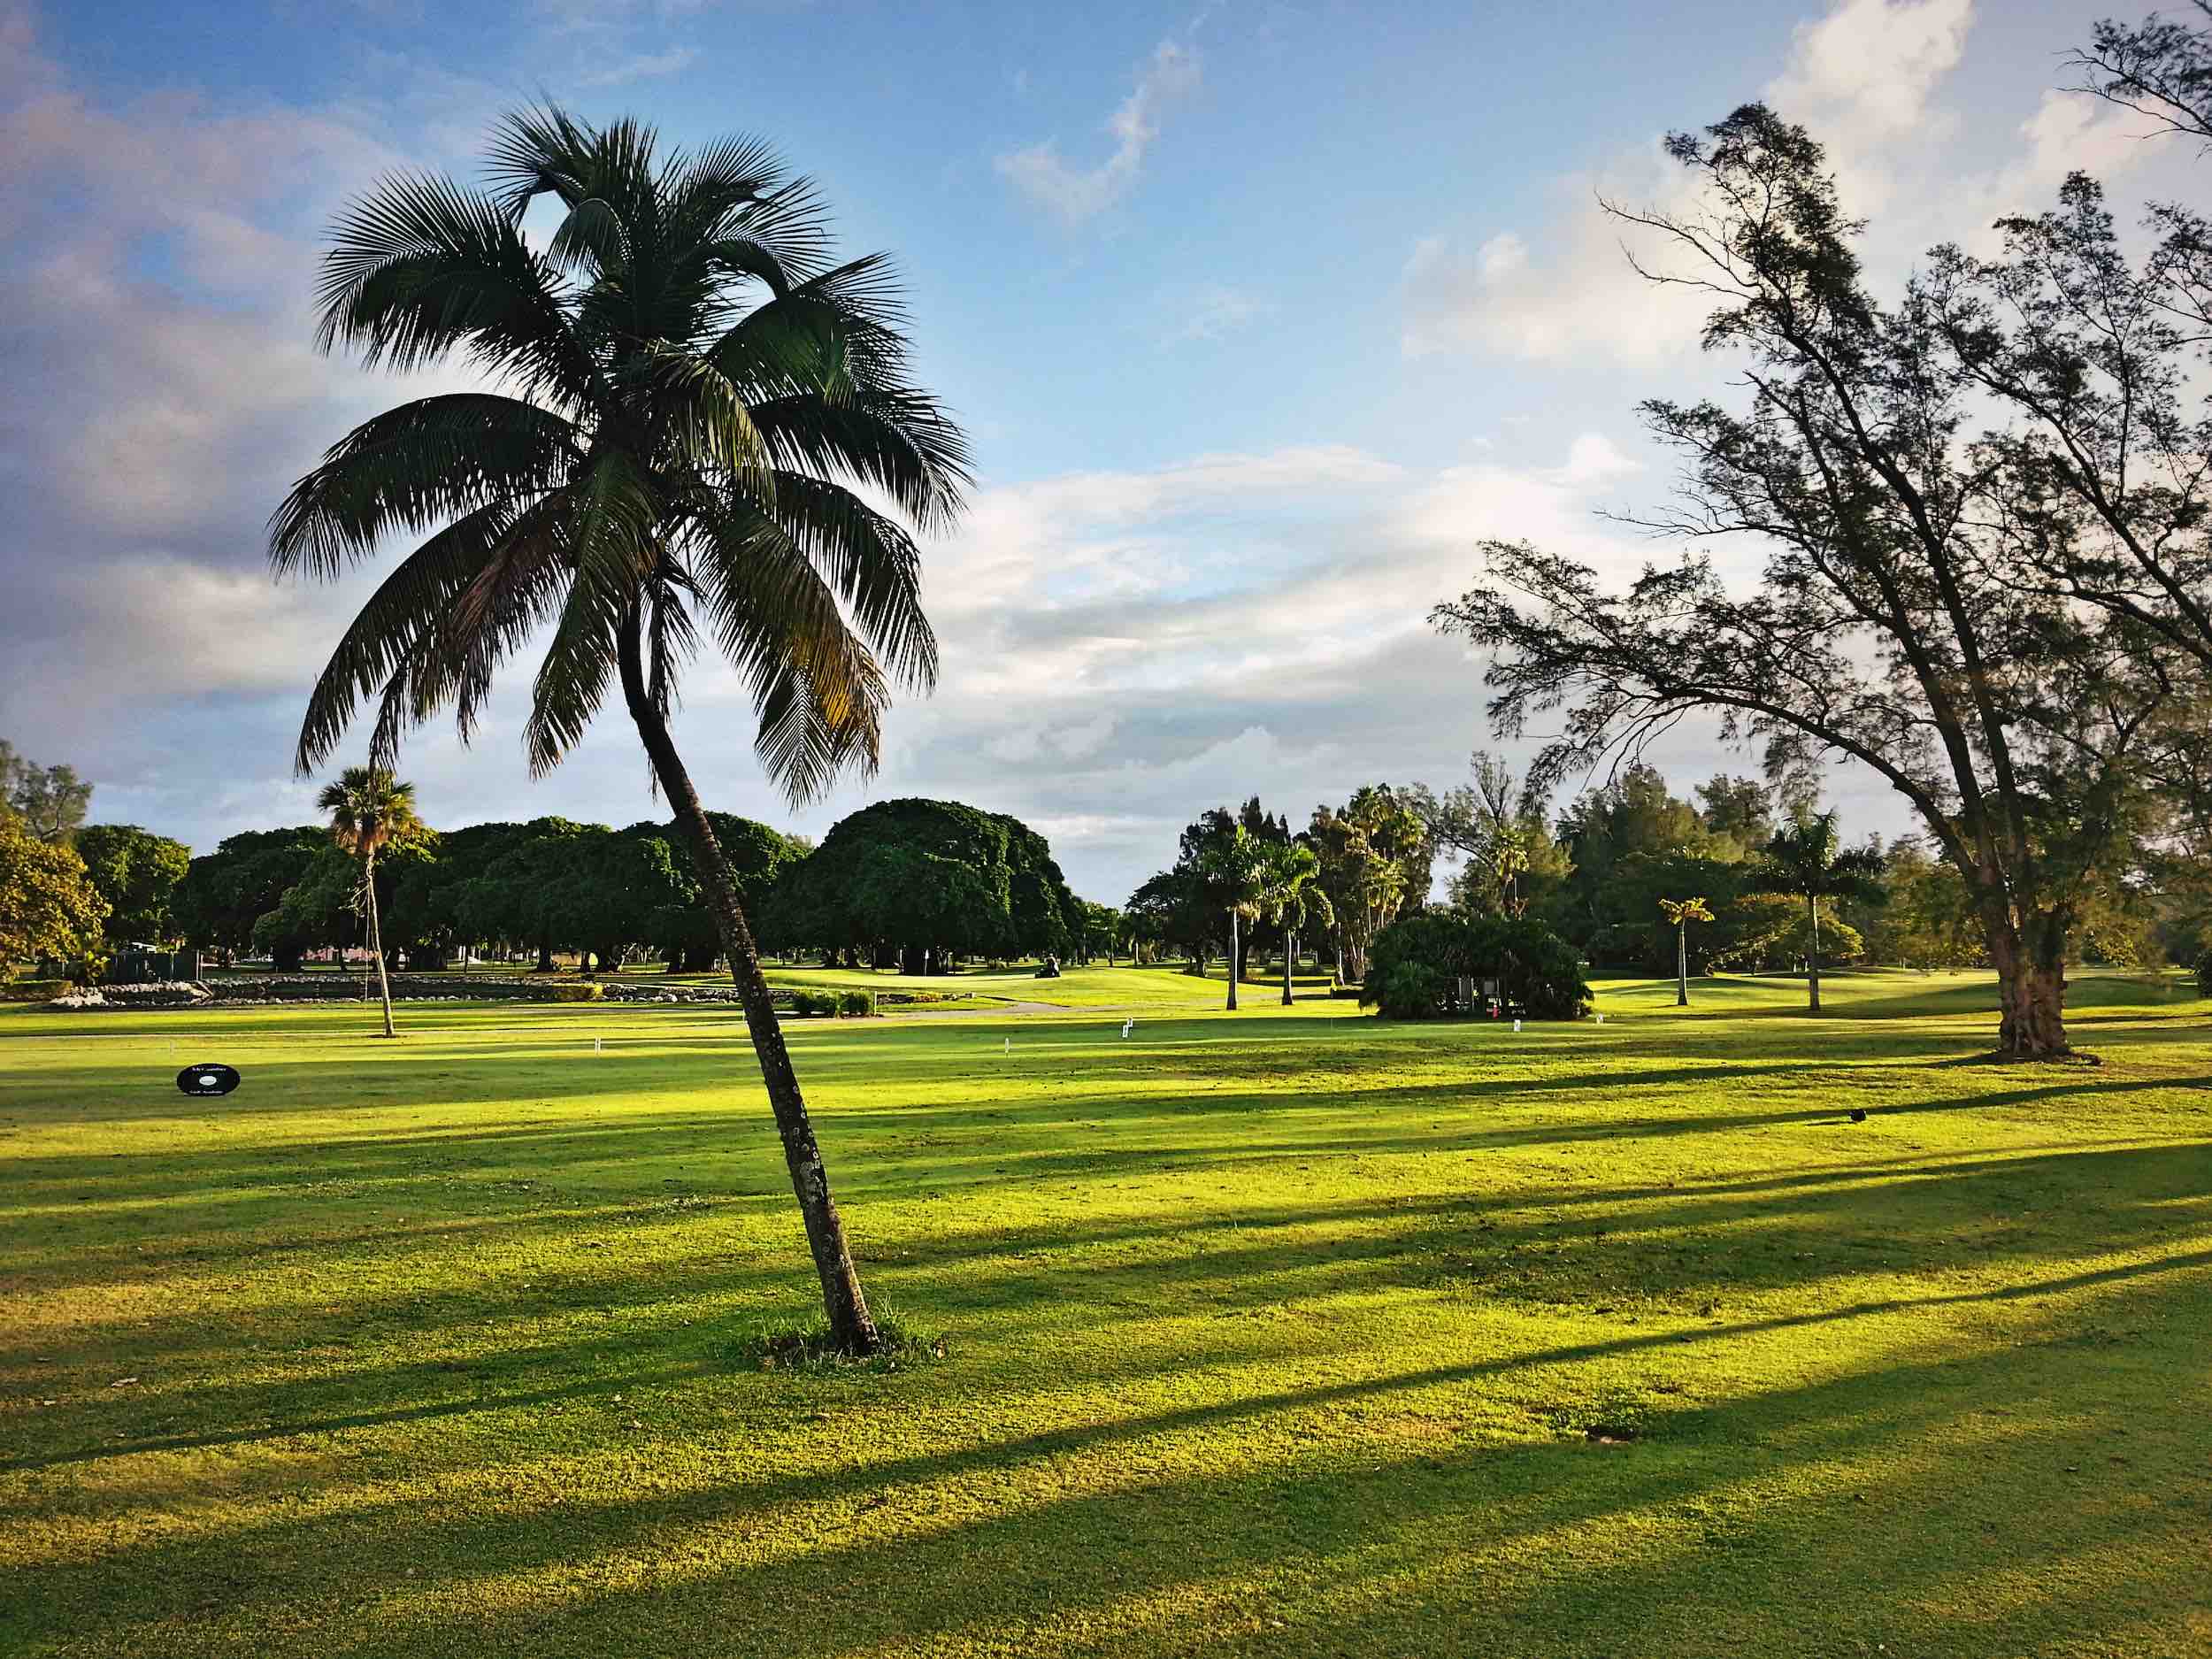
693	413
1803	860
368	808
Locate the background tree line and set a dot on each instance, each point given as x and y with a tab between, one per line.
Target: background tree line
912	884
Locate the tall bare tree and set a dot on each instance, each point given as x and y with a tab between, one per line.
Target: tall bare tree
1896	622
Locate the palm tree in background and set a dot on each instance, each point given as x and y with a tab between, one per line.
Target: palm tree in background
691	409
1680	913
1803	859
1291	893
368	808
1237	869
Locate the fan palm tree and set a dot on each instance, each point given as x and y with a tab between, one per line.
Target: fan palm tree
1291	893
1803	859
691	408
368	808
1236	869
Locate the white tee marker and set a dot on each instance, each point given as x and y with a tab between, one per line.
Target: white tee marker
1127	1025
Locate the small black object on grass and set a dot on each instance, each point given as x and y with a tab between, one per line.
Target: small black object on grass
209	1079
1858	1114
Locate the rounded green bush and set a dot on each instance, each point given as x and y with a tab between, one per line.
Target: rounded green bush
1414	962
859	1004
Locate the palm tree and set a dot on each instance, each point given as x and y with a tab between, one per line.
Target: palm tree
1237	871
690	401
368	808
1682	912
1291	877
1803	859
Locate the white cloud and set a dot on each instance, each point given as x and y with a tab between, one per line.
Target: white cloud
1123	648
1865	77
1075	194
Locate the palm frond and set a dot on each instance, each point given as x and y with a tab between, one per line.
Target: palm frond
415	467
419	268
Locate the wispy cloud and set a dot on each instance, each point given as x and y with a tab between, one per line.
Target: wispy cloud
1075	195
643	66
1213	313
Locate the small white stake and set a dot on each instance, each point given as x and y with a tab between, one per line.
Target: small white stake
1126	1026
594	1044
1516	1026
1601	1019
1010	1045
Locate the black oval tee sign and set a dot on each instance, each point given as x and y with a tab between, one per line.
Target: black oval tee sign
207	1079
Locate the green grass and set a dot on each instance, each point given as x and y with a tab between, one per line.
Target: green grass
1282	1334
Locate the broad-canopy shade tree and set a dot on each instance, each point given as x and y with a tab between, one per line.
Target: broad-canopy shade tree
690	399
48	907
225	892
1807	860
1899	621
922	881
136	872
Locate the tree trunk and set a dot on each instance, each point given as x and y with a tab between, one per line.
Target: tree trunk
1232	962
851	1328
1290	955
2030	994
1812	958
1681	964
376	937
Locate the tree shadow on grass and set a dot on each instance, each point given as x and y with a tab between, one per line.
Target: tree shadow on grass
1347	1518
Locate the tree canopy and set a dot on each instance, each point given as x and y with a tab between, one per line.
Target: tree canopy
1901	620
48	907
925	877
136	872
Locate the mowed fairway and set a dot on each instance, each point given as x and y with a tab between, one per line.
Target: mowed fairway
1289	1332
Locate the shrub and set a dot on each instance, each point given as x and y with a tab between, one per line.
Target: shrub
859	1004
807	1005
1406	990
2204	974
574	991
32	990
1415	962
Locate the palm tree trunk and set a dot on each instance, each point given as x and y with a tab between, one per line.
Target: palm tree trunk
1290	954
851	1328
376	936
1232	962
1812	958
1681	964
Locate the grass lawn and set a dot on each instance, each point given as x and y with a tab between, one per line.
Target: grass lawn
1287	1333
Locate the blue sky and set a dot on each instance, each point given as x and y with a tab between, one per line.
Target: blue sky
1260	315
